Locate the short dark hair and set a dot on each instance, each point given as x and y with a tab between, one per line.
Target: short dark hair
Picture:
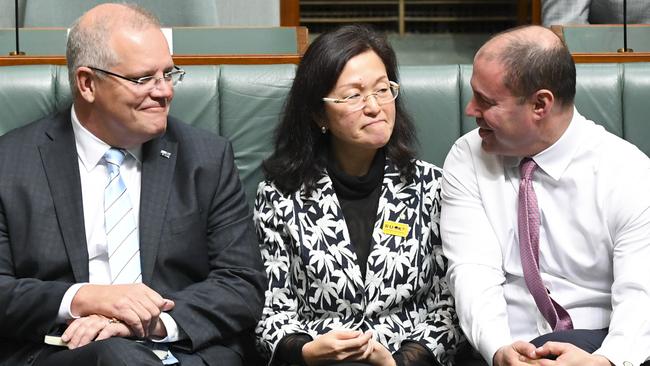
300	148
530	67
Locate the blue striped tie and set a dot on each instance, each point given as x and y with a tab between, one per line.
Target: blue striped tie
120	224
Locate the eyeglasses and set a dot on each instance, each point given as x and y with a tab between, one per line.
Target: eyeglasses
148	83
356	102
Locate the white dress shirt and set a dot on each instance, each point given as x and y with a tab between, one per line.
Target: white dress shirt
593	190
94	177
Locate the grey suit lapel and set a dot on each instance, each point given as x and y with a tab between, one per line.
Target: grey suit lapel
158	163
59	156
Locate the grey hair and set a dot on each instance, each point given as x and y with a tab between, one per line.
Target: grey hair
89	45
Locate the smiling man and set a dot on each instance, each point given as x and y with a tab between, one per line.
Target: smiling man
545	217
123	230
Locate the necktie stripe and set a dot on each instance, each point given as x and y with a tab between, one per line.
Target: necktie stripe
117	247
119	220
127	267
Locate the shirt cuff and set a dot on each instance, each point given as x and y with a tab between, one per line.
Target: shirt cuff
65	313
173	332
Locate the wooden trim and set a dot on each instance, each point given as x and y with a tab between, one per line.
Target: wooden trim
178	59
589	58
522	12
289	13
536	12
302	41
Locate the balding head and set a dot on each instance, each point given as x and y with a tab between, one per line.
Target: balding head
533	58
89	38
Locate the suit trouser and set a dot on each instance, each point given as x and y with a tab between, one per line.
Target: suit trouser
123	352
588	340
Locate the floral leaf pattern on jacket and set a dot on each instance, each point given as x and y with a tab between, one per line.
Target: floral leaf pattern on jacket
315	283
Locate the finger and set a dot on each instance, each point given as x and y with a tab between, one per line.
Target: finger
344	334
87	330
369	349
526	349
114	330
72	328
168	305
132	320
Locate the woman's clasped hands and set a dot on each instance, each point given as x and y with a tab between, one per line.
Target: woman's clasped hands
346	345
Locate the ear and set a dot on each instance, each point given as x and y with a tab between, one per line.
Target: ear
543	101
85	84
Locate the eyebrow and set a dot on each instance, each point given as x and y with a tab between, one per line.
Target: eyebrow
356	84
150	72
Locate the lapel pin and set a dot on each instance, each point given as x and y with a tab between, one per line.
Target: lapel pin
165	154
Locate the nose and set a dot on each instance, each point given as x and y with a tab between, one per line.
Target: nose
471	109
371	105
162	89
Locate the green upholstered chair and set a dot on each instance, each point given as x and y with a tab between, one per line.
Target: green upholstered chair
244	103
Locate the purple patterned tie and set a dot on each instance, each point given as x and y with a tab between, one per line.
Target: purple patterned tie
529	222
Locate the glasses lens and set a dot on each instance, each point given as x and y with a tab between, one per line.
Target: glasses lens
177	76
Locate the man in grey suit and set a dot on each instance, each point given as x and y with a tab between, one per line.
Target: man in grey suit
122	227
593	11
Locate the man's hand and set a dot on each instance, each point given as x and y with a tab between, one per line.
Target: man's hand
136	305
336	345
518	353
568	355
380	355
84	330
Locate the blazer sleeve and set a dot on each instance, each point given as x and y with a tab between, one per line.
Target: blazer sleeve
230	298
439	330
280	315
28	306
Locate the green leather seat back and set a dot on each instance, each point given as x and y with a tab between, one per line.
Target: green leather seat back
252	98
196	99
431	96
636	105
63	97
467	123
599	92
26	93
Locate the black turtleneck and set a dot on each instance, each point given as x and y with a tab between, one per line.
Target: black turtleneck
359	197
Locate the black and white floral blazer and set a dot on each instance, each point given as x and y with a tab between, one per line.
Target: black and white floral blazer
315	283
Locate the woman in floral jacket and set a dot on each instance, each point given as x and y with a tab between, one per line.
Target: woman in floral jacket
348	220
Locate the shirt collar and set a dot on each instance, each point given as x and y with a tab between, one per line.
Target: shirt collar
557	157
90	148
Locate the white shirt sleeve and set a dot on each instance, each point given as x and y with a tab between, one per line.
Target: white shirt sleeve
475	273
628	339
65	313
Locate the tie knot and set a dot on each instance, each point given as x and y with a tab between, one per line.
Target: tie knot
115	156
526	168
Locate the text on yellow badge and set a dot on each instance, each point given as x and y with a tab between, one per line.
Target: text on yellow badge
396	228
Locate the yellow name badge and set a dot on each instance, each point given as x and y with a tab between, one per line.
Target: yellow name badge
396	228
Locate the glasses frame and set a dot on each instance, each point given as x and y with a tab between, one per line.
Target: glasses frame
393	85
143	80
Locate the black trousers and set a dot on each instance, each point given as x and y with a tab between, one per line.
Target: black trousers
124	352
588	340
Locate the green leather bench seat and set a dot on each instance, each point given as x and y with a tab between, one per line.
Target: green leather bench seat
244	103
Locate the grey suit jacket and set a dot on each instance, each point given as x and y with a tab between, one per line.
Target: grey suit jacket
196	239
594	11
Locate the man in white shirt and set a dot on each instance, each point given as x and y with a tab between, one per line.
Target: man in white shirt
121	226
592	197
